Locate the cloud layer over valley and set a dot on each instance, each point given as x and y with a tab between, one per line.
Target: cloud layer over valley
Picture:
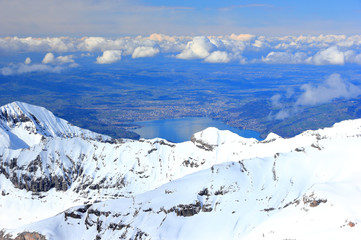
241	49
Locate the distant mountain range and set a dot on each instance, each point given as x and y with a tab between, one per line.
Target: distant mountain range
58	181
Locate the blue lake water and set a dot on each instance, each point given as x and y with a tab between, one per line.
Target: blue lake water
181	129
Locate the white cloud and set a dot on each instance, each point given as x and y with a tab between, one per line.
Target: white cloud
218	57
199	47
242	37
245	48
29	44
283	114
65	59
257	43
92	44
161	37
333	87
141	52
27	60
284	58
6	71
352	57
231	46
49	58
29	68
356	59
213	49
109	56
49	64
275	100
329	56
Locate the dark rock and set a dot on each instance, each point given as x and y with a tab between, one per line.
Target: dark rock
147	210
202	145
13	163
84	209
152	150
72	215
268	209
115	226
204	192
190	209
23	236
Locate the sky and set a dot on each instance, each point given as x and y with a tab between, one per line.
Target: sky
114	18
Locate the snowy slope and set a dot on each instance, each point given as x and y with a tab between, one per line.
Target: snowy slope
216	186
23	125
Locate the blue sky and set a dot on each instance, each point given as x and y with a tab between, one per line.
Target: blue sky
112	18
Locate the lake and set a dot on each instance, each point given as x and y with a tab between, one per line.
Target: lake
181	129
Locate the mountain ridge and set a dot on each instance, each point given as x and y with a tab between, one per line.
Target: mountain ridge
217	185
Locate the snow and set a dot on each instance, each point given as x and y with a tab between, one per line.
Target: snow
29	124
217	186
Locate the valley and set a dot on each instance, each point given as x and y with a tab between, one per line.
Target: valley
109	99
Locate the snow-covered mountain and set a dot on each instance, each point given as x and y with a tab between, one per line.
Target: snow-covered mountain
58	181
23	125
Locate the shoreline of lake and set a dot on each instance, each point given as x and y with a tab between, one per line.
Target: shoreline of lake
181	129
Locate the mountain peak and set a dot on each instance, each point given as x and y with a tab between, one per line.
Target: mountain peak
27	124
212	137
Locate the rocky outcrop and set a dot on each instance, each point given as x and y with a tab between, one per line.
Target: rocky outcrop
28	179
188	210
23	236
313	201
201	144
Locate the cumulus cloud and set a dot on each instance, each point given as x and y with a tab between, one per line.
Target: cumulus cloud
356	59
29	44
329	56
141	52
161	37
92	43
109	56
218	57
17	69
258	44
245	48
284	58
48	64
27	60
49	58
65	59
310	42
352	57
333	87
213	49
199	47
242	37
